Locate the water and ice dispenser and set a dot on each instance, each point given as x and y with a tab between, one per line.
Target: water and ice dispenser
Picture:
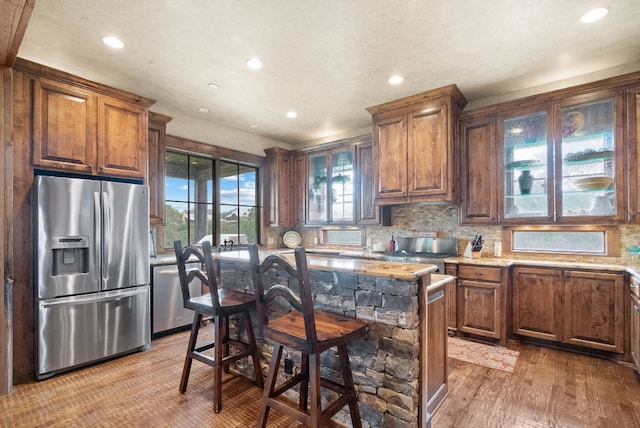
70	255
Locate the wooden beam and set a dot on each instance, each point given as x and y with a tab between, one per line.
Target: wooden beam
14	17
6	229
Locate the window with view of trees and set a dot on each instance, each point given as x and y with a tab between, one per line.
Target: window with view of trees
209	199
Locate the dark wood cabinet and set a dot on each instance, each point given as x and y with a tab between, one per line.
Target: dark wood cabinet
594	310
299	188
635	330
122	138
452	296
633	142
156	168
481	301
537	303
414	147
434	377
577	307
367	211
278	201
577	146
64	127
333	184
85	128
478	176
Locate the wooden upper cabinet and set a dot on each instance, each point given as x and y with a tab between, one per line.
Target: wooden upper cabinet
83	127
390	154
122	138
367	211
633	140
64	132
157	166
299	187
428	153
478	179
280	197
568	157
413	145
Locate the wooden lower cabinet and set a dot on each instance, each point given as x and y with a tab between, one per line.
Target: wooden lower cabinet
452	296
635	331
594	310
481	303
537	303
576	307
433	363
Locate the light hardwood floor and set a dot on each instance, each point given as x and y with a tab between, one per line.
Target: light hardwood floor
549	388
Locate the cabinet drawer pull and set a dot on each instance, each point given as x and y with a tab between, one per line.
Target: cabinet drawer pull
636	308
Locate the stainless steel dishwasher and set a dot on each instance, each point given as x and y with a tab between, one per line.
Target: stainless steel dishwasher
169	314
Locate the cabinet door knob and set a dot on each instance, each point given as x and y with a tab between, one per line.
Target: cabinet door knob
636	308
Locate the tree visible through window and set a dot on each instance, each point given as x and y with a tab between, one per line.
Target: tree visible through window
209	199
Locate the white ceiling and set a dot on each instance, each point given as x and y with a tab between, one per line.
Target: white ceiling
328	60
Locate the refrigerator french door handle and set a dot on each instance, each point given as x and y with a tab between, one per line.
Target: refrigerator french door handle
81	300
97	233
106	226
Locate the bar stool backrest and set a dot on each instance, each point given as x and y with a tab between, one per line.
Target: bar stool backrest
208	277
302	303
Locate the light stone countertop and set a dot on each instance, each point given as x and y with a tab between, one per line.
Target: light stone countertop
396	270
506	262
438	280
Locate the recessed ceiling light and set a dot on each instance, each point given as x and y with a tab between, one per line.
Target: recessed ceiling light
253	126
203	110
113	42
291	114
594	14
396	80
214	85
254	63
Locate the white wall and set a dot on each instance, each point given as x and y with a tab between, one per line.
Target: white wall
207	132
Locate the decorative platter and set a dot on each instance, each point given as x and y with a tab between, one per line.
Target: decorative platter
291	239
572	122
594	183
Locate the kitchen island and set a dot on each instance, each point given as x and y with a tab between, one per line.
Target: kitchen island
400	366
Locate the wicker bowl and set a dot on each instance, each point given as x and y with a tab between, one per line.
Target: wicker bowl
594	183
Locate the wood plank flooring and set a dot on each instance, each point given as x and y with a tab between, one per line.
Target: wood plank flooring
549	388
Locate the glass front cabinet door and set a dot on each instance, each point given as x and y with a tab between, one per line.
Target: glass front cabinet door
330	187
528	171
561	163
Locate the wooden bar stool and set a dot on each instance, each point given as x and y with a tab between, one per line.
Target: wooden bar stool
309	333
218	304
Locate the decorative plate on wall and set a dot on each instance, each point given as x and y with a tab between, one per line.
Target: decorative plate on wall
291	239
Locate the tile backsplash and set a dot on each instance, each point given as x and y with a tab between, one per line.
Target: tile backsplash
418	219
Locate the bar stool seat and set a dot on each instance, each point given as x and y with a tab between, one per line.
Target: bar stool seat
219	304
308	332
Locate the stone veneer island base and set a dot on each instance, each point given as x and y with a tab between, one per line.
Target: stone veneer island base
400	366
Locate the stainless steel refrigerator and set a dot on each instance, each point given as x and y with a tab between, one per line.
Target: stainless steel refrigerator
92	271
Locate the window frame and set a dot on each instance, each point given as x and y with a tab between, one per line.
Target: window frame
219	154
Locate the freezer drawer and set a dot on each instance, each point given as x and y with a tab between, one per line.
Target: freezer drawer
168	309
77	330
